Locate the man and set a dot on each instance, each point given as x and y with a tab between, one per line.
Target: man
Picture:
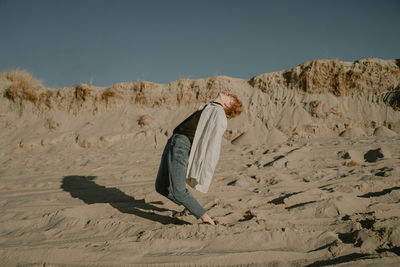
192	153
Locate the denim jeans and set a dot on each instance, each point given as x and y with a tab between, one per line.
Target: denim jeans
171	177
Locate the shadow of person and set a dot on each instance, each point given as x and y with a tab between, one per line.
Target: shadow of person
84	188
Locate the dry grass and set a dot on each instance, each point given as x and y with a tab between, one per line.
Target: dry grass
333	76
181	89
82	91
107	94
188	91
23	87
138	92
145	120
361	77
143	93
142	96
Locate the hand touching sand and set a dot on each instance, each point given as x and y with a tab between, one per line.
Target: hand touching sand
207	219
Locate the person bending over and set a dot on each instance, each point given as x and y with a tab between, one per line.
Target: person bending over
192	152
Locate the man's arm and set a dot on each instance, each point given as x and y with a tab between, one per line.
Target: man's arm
213	151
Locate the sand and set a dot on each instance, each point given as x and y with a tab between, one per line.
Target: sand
304	178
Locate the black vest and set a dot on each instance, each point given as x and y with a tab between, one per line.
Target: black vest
189	125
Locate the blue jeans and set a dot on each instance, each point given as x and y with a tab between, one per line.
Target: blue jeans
171	177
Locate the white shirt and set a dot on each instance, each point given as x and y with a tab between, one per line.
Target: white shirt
206	147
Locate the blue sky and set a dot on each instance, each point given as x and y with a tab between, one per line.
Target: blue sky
66	42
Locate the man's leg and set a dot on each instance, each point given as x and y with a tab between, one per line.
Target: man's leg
177	160
162	181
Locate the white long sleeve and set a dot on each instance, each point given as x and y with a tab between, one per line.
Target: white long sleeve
206	146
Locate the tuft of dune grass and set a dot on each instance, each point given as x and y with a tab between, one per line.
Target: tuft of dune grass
82	91
108	94
143	92
145	120
23	86
138	93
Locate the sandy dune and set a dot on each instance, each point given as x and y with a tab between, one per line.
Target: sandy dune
309	174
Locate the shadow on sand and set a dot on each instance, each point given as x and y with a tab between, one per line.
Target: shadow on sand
84	188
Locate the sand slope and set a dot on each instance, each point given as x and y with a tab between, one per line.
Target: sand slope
308	174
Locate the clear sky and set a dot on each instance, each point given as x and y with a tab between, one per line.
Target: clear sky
66	42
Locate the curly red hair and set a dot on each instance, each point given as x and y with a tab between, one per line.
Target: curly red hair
235	109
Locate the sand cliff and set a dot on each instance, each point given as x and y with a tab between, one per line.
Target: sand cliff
316	98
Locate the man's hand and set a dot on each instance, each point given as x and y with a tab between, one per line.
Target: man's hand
205	218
